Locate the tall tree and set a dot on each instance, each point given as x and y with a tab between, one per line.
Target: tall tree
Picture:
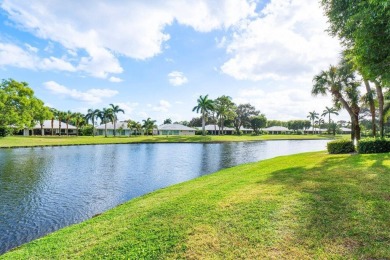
327	112
204	105
68	117
92	115
53	117
106	115
225	109
115	110
43	113
340	82
167	121
149	125
258	122
78	119
313	116
243	114
60	116
368	98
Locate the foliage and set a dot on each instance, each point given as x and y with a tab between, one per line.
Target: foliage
258	122
149	125
92	115
374	145
167	121
340	146
277	123
243	114
225	109
298	124
19	108
204	106
115	109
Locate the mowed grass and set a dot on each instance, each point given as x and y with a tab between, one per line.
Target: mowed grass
24	141
311	205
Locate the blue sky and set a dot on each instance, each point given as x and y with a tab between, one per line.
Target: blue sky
154	58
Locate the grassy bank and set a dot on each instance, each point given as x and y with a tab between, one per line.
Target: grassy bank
311	205
21	141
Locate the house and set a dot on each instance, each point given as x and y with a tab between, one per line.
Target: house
315	130
121	129
345	130
175	129
277	130
215	130
47	129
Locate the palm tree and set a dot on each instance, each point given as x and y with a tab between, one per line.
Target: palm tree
60	116
138	127
53	117
225	109
68	116
92	114
204	105
341	84
78	119
149	124
106	115
115	110
328	111
313	116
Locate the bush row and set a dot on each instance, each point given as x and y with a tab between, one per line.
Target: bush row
367	145
340	146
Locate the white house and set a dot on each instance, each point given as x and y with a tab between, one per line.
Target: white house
175	129
121	129
345	130
47	129
277	130
315	131
215	130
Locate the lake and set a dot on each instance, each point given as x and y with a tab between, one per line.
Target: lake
45	189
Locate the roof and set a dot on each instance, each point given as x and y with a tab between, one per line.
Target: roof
177	127
315	129
120	124
277	128
47	125
213	127
345	129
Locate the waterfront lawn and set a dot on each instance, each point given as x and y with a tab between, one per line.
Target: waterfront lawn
23	141
311	205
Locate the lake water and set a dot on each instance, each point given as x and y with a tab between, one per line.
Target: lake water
45	189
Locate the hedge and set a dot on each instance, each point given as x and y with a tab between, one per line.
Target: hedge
374	145
340	146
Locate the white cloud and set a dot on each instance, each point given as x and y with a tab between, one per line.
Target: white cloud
177	78
129	108
91	96
287	40
115	79
162	106
31	48
129	34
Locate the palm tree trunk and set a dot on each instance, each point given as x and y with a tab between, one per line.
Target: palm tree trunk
381	105
52	126
372	107
114	127
93	127
105	129
329	125
203	123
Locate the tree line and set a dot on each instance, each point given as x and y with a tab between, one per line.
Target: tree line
363	29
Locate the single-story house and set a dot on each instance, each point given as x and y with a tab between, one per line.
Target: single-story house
36	130
215	130
345	130
277	130
316	130
121	129
175	129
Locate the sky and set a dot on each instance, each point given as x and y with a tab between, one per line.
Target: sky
154	58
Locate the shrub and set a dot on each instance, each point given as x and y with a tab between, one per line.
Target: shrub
374	145
340	146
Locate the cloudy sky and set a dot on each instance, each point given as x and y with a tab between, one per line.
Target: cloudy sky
154	58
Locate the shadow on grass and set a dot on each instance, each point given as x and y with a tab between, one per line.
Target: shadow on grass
344	206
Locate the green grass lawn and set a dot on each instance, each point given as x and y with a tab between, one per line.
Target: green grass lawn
22	141
311	205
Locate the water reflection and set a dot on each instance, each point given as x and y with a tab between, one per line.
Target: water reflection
44	189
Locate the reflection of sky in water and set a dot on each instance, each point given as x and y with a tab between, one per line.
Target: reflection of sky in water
44	189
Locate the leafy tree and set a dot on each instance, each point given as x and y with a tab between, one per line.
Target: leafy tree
327	112
243	114
131	125
115	110
167	121
78	120
277	123
313	116
18	106
92	115
340	82
204	105
149	125
43	113
258	122
225	109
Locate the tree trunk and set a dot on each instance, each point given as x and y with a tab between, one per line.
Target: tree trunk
381	105
203	123
353	113
42	130
114	128
105	129
372	107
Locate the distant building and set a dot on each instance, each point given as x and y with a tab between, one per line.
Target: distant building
121	129
47	127
277	130
175	129
216	130
345	130
315	131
